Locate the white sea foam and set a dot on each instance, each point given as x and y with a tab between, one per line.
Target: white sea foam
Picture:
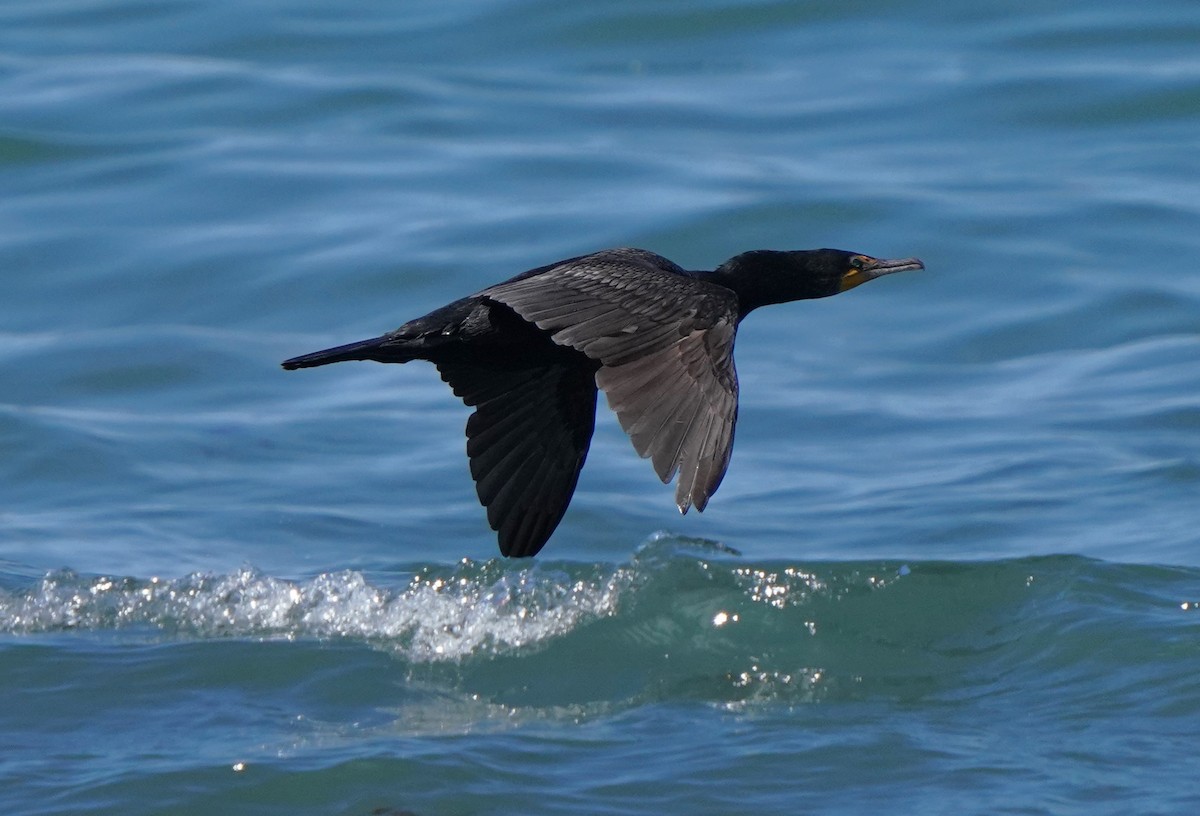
440	615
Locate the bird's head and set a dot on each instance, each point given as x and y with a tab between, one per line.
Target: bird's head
765	276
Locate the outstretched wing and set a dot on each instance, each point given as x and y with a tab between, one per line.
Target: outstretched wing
679	406
665	343
527	441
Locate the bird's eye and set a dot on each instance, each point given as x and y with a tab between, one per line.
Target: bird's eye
858	262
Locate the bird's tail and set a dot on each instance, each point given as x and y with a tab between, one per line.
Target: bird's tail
383	349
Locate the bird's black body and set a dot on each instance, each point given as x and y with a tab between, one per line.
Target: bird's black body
529	354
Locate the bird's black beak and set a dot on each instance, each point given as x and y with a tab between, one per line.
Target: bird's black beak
864	268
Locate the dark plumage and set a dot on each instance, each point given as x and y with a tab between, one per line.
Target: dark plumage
528	354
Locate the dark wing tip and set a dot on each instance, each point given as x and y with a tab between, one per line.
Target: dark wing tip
526	538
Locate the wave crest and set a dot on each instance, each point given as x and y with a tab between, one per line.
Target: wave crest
442	614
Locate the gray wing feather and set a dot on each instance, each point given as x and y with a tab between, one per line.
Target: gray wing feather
665	344
680	409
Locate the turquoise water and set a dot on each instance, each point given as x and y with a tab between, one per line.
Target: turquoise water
954	566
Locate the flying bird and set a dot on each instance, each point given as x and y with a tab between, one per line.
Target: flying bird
530	353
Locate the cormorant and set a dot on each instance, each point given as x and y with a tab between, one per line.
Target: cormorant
528	355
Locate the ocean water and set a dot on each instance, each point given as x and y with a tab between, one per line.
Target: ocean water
954	566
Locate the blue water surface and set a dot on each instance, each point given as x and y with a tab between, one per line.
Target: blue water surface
954	566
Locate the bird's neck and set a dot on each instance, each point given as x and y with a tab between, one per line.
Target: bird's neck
749	278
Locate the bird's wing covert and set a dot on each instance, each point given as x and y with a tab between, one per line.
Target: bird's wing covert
665	344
